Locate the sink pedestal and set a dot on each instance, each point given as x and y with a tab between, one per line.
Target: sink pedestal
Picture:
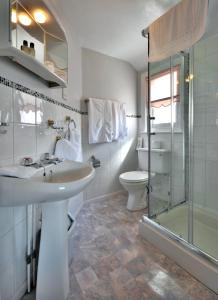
53	273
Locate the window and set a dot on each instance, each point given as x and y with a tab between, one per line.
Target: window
160	93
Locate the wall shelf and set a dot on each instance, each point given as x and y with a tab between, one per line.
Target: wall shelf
50	60
34	66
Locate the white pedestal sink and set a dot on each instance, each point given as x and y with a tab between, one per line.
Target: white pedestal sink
62	181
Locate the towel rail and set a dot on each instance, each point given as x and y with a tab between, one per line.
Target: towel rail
87	100
134	116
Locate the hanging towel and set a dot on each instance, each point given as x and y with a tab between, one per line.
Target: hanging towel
116	120
96	120
122	121
64	150
100	121
75	140
18	171
107	132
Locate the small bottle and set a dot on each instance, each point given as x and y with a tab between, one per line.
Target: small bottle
25	47
32	51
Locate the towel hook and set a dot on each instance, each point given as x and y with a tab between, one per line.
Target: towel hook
51	124
69	120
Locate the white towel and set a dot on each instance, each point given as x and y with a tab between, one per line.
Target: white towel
100	121
18	171
107	132
64	150
75	140
123	125
116	120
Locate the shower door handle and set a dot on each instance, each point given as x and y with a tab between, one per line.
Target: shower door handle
150	118
149	189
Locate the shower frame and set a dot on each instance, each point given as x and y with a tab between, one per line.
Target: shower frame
148	228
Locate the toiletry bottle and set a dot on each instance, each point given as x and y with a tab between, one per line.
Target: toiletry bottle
25	47
32	51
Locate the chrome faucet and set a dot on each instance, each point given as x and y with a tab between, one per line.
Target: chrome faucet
47	160
26	161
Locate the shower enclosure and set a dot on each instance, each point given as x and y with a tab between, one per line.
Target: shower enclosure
182	114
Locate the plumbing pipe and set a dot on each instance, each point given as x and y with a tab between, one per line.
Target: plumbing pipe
29	248
34	245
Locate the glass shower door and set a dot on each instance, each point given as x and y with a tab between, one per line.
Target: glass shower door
159	135
168	105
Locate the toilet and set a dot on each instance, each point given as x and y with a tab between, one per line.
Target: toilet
135	182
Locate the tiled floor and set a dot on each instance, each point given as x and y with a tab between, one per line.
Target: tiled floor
111	262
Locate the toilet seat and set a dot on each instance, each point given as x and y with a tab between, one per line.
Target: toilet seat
134	176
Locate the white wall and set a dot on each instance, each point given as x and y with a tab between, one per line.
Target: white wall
29	139
109	78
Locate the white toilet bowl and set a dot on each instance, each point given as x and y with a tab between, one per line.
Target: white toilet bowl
135	183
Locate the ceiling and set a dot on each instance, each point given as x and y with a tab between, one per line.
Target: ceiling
113	27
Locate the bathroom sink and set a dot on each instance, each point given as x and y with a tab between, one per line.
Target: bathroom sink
50	186
62	181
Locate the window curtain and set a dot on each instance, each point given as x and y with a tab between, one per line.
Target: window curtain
178	29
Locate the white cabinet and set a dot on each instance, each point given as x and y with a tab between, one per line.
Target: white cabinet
32	37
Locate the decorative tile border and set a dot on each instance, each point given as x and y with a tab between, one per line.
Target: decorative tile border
128	116
26	90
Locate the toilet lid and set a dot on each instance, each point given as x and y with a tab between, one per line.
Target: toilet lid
134	176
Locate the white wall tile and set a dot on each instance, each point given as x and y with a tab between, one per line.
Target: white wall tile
20	254
6	220
19	214
6	107
205	159
46	138
45	111
24	108
6	246
6	143
6	162
212	152
211	193
24	140
7	282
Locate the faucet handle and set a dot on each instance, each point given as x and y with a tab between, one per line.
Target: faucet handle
26	161
46	155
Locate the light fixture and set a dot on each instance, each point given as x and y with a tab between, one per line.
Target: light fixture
40	16
13	16
189	78
24	19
